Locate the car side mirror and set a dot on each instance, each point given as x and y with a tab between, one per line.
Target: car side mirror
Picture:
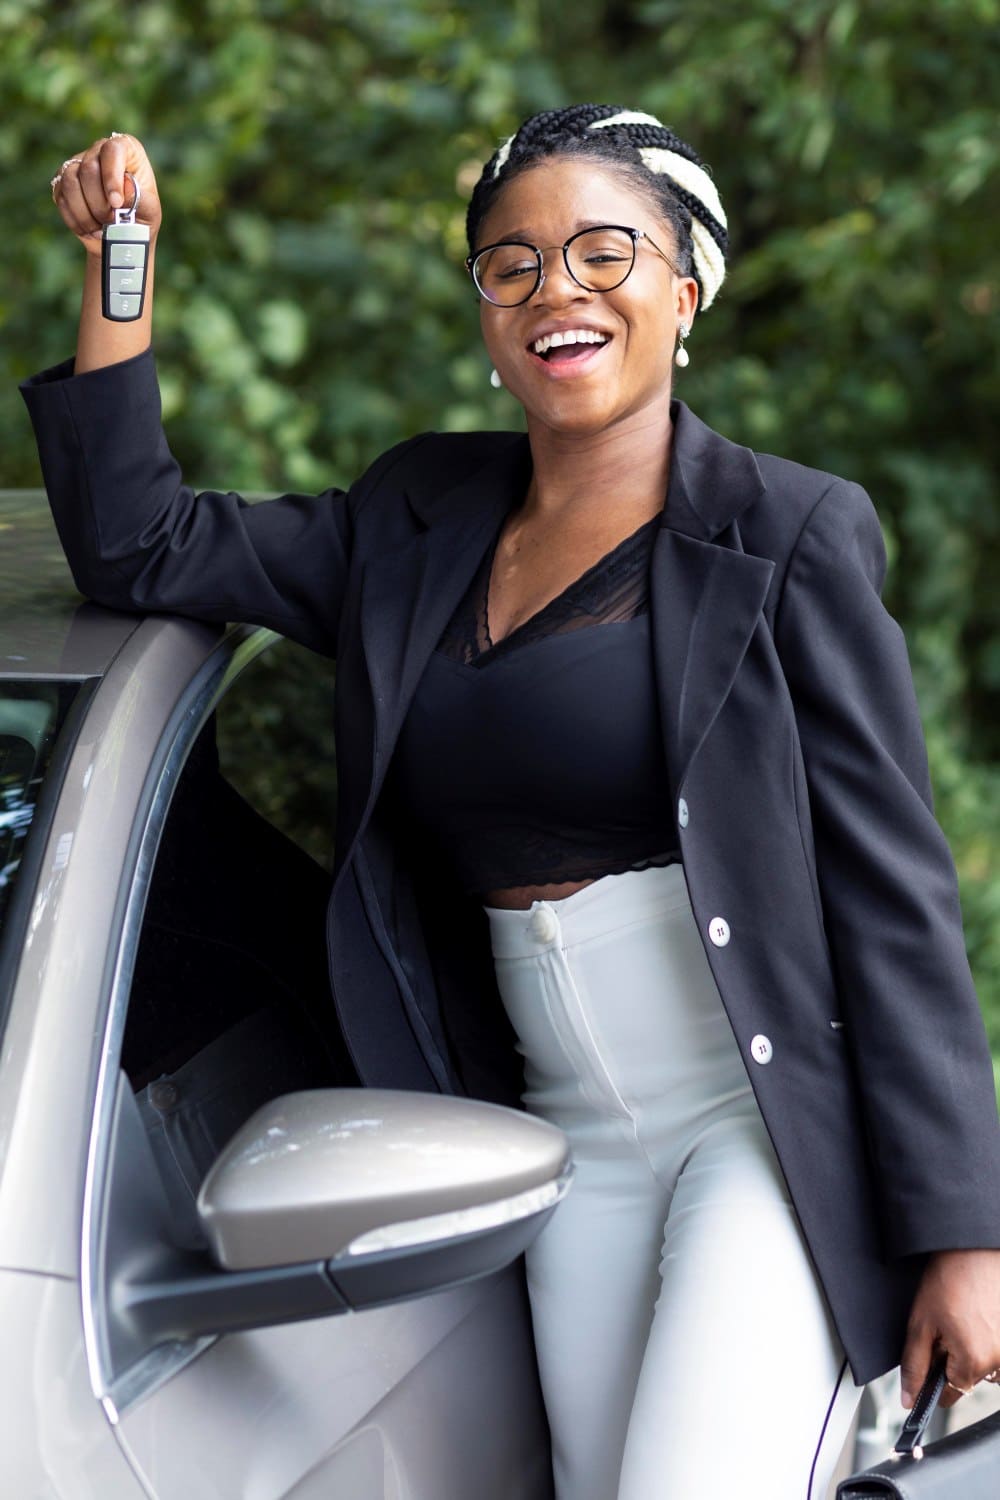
397	1192
336	1199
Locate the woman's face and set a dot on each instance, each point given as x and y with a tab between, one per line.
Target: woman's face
631	372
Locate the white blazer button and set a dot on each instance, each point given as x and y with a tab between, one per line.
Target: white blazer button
760	1049
544	924
682	813
718	931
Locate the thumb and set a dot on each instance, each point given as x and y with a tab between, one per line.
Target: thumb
916	1361
120	154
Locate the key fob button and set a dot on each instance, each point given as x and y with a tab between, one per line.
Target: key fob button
125	281
122	306
123	254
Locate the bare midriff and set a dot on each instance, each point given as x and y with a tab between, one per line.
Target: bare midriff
520	897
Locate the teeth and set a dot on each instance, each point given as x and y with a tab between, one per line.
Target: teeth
568	336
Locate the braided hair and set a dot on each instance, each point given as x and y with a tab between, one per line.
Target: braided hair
659	164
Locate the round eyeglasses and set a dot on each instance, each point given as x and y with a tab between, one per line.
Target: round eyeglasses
598	259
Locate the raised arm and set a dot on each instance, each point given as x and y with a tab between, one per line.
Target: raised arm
88	188
137	537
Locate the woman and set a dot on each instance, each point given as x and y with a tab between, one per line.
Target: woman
627	747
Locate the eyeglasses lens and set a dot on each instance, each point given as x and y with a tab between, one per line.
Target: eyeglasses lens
599	259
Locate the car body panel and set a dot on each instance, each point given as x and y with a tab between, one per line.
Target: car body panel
45	628
55	1032
56	1442
361	1406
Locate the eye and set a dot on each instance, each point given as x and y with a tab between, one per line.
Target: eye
506	263
509	273
601	257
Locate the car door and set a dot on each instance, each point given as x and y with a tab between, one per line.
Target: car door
225	1004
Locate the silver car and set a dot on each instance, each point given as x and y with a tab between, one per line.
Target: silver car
226	1271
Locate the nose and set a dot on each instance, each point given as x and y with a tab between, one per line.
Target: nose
561	286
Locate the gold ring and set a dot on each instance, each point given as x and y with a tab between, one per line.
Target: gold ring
993	1376
70	161
962	1391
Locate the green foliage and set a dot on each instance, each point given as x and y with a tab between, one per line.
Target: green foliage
312	307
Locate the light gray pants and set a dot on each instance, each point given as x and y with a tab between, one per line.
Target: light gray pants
684	1343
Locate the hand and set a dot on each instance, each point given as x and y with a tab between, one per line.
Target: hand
957	1307
91	184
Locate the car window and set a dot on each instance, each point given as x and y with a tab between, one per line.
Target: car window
31	716
230	1002
38	726
275	737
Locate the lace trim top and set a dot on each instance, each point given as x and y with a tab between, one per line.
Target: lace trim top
615	588
538	759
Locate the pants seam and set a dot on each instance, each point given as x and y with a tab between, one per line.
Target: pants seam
823	1430
595	1049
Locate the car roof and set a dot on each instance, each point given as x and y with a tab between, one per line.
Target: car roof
46	628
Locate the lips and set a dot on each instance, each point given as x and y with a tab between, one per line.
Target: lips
566	350
556	339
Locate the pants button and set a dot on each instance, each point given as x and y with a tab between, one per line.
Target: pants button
544	924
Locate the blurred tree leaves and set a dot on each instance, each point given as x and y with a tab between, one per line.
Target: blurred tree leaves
312	307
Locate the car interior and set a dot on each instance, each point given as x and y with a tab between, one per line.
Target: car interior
230	1003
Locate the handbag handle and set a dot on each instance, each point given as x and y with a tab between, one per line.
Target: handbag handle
922	1409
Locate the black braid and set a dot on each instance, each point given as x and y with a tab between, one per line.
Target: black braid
566	132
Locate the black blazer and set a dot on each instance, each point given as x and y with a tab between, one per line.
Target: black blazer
790	729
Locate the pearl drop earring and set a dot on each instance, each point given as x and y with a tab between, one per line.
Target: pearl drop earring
682	357
495	381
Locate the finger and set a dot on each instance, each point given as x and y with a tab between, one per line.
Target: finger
114	157
966	1365
92	187
961	1373
57	180
954	1390
916	1361
71	202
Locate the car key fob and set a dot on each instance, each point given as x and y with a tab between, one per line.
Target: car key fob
124	256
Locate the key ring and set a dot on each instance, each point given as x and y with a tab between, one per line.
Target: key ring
130	210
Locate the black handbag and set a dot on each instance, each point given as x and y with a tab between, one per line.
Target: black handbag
962	1466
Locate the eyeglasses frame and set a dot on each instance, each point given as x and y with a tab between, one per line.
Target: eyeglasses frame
636	236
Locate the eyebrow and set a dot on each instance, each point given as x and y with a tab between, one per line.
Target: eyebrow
525	234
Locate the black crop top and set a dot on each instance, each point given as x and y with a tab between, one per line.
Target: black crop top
539	759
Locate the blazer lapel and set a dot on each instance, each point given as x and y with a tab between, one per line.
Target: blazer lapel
706	594
705	603
409	593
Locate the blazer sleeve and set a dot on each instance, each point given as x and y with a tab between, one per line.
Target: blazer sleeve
889	888
138	538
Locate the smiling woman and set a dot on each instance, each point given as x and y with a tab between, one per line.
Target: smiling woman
635	825
609	287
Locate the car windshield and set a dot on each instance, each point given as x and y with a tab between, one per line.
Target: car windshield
31	716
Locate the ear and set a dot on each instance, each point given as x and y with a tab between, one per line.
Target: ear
685	299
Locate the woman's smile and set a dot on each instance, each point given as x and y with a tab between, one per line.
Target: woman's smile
568	352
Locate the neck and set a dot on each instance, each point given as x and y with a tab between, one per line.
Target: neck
624	467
